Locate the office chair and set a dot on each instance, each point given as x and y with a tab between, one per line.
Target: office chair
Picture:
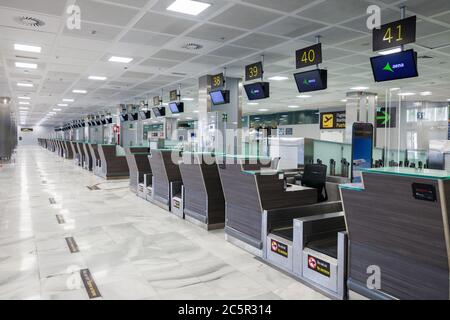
315	176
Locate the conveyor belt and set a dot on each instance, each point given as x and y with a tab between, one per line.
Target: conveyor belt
285	233
327	246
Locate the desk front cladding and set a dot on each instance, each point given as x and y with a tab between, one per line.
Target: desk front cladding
248	194
398	224
204	201
138	165
112	166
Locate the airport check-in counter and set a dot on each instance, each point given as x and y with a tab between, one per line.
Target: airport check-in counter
204	203
398	232
76	155
167	185
249	193
69	150
113	166
139	165
81	157
88	160
96	161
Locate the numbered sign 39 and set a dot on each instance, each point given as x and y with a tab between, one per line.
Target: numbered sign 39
253	71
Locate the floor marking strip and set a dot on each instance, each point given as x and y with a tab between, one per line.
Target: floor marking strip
72	244
89	284
60	219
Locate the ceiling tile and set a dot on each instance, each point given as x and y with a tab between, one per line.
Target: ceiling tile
95	12
159	63
258	41
93	31
174	55
233	52
211	60
245	17
214	32
292	27
442	39
163	24
146	38
281	5
335	35
335	11
52	7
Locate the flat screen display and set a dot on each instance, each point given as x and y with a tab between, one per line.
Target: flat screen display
123	117
159	112
395	66
313	80
220	97
98	122
362	149
104	121
176	107
145	115
257	91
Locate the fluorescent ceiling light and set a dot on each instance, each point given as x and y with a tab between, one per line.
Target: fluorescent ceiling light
56	109
406	94
25	98
24	84
196	111
190	7
24	108
293	107
120	59
303	96
26	65
68	100
394	89
252	103
390	51
24	103
188	99
79	91
359	88
278	78
263	110
98	78
426	93
344	100
24	47
62	105
188	118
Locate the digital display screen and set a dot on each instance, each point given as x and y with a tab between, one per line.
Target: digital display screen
220	97
124	117
257	91
313	80
395	66
362	149
176	107
144	115
159	112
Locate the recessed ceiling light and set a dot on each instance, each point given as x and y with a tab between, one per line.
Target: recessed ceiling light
304	96
390	51
252	103
196	111
188	99
79	91
27	48
62	105
344	100
25	65
406	94
293	107
359	88
25	98
24	103
56	109
68	100
278	78
98	78
24	108
263	110
190	7
188	118
426	93
120	59
24	84
394	89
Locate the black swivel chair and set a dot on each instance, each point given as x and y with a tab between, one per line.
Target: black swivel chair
315	176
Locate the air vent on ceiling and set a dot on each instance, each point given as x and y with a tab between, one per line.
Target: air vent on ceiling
192	46
425	57
28	21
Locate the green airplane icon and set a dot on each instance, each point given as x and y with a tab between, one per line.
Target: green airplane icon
305	82
388	67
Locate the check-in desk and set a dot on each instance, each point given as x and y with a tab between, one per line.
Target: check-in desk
68	150
139	166
204	203
167	182
398	231
76	155
81	158
113	166
248	194
96	161
88	161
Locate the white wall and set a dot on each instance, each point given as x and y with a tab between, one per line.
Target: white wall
30	138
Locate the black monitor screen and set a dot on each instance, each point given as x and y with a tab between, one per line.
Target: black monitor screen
176	107
395	66
99	122
145	115
257	91
159	112
109	120
104	121
123	117
220	97
313	80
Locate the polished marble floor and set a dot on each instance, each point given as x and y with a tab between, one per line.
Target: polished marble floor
133	249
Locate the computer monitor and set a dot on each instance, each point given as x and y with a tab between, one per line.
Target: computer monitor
176	107
220	97
257	90
159	111
395	66
313	80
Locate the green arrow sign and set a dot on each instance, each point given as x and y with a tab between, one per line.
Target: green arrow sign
384	118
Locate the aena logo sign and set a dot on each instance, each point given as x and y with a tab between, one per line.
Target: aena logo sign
307	82
255	91
392	68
